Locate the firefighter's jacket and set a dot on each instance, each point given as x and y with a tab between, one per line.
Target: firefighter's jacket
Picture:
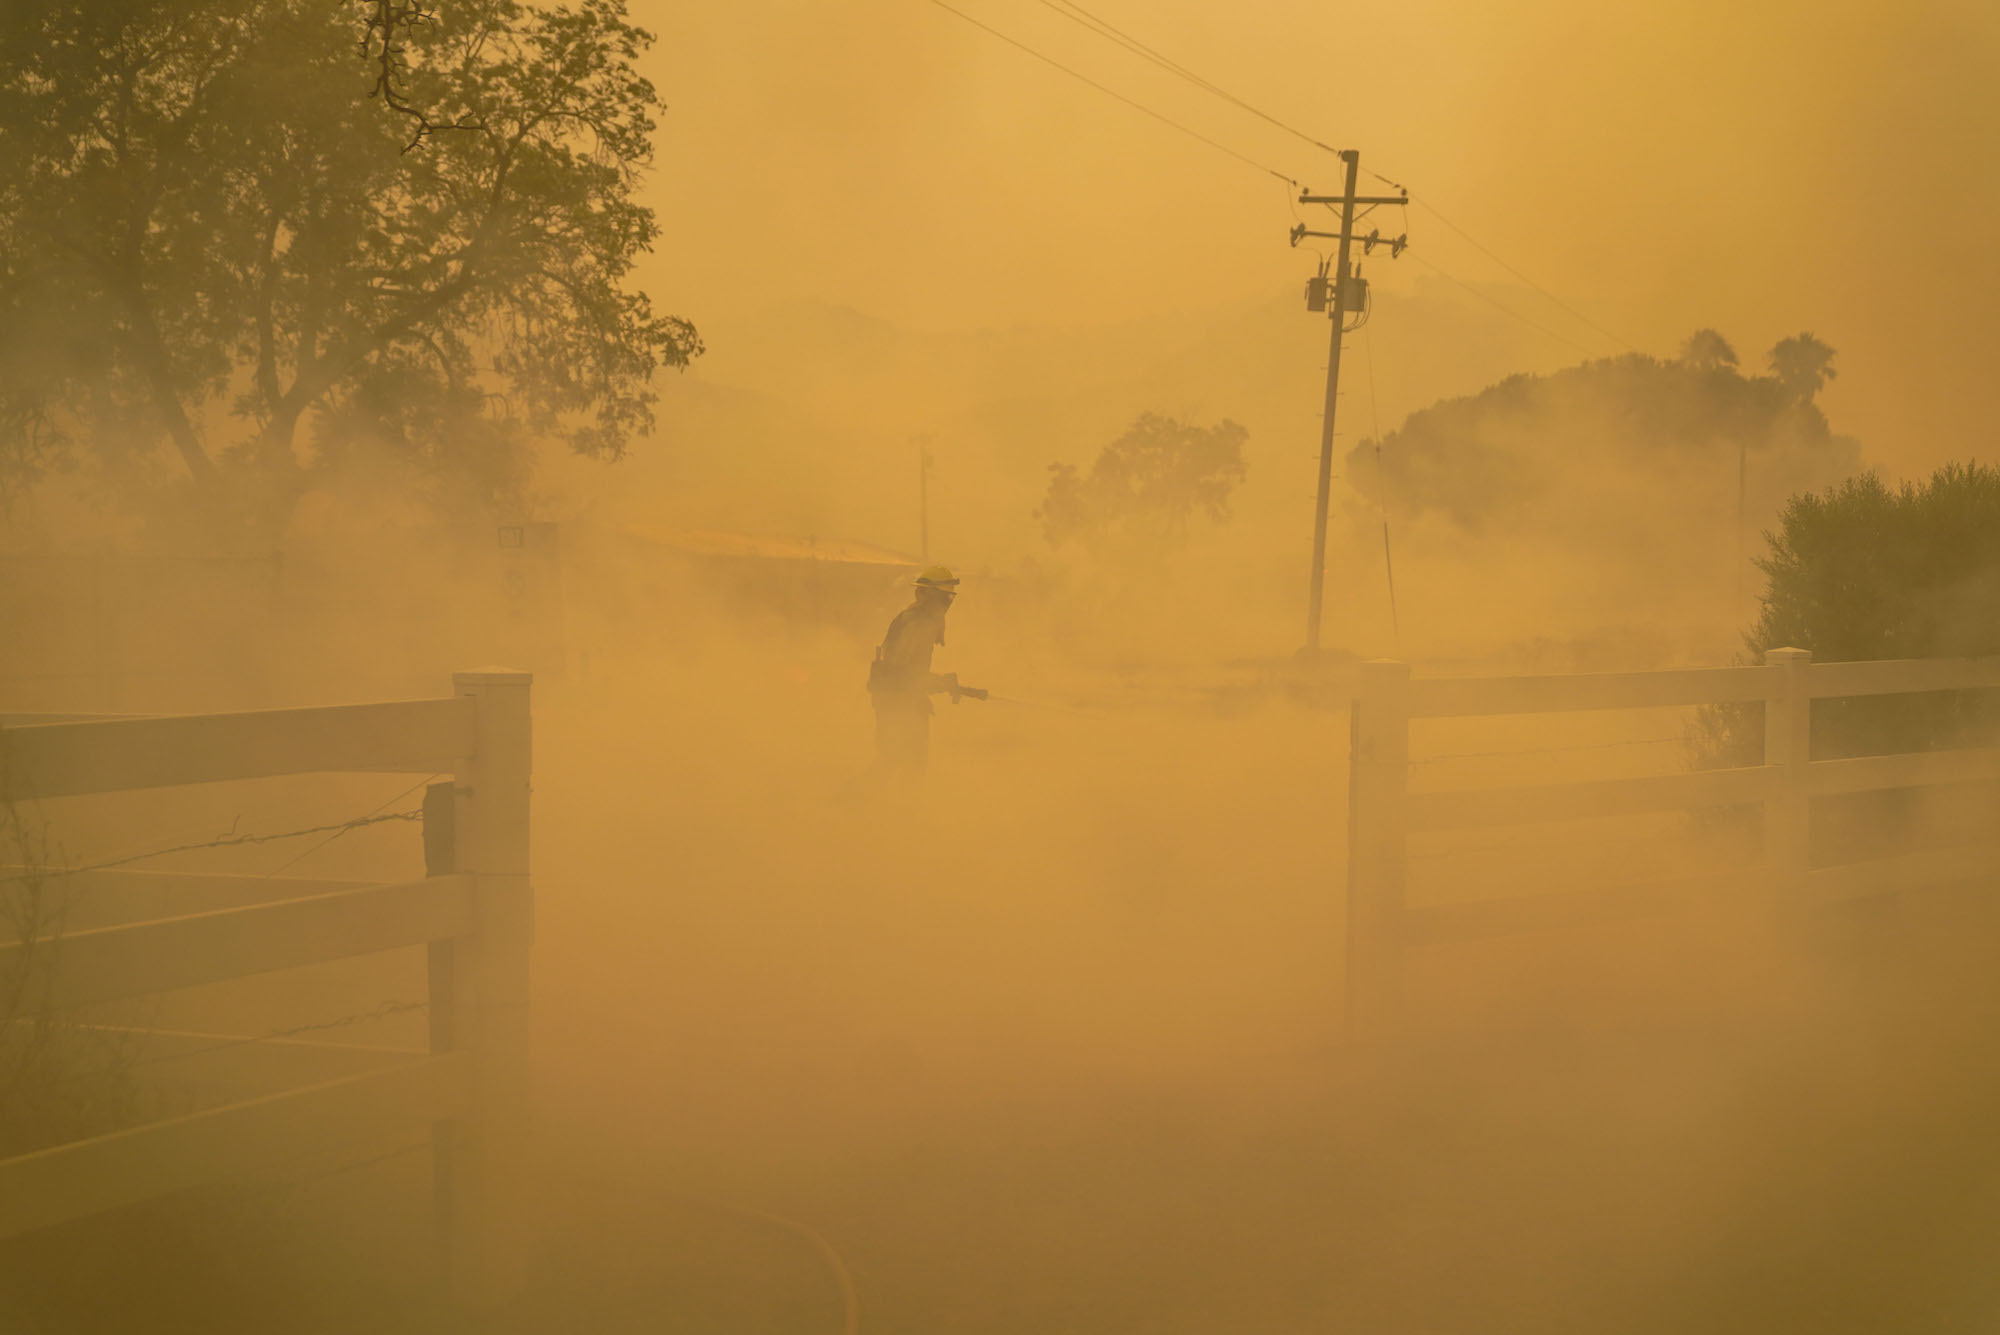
901	673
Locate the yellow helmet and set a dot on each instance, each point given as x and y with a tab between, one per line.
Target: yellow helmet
938	577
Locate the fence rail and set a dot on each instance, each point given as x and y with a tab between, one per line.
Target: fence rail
116	755
1459	697
140	933
1384	812
81	900
1902	676
166	954
1478	919
1476	808
85	1177
1453	697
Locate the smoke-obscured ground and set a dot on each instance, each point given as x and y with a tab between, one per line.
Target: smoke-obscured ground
1053	1041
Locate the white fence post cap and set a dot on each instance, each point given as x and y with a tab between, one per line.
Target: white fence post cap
493	676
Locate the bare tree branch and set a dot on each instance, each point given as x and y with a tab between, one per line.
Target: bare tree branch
388	20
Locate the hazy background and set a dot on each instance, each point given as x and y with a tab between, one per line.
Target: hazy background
1761	169
889	224
1052	1043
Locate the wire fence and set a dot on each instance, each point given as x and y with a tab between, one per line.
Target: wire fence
339	828
388	802
222	1043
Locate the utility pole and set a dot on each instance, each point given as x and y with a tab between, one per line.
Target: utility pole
1349	295
1742	491
1389	564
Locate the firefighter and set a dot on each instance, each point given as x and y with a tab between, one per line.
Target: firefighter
901	681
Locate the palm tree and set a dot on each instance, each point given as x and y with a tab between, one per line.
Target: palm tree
1706	350
1802	364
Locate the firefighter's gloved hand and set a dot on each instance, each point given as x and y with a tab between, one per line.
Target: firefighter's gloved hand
950	680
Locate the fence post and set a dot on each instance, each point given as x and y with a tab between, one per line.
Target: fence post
482	983
1788	745
1378	779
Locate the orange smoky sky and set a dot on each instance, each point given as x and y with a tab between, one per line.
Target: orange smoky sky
1766	168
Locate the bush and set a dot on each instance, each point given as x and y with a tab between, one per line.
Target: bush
1862	572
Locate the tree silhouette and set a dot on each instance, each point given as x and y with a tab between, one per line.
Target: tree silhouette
212	240
1802	364
1864	571
1147	484
1706	350
1495	456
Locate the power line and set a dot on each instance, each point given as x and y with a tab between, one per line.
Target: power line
1078	14
1487	251
1110	32
1472	241
1388	562
1113	93
1499	305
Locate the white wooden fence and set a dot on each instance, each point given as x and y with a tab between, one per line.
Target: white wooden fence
476	920
1384	812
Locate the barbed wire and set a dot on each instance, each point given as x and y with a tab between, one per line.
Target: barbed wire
386	802
226	841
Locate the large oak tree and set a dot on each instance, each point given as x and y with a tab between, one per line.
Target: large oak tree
216	240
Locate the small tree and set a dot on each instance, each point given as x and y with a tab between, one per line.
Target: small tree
1146	485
